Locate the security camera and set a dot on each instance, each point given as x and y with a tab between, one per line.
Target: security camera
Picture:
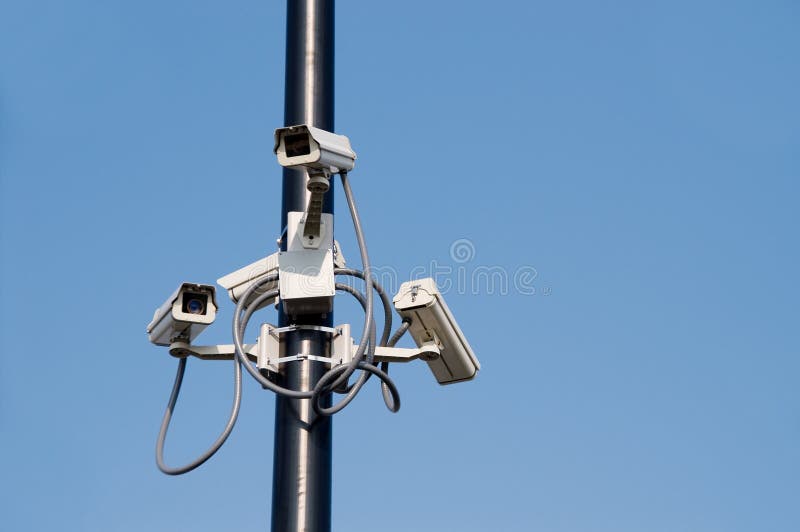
238	282
184	315
433	323
314	149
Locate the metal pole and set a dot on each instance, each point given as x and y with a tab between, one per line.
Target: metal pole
301	484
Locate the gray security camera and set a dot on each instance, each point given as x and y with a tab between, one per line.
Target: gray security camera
184	315
315	149
432	323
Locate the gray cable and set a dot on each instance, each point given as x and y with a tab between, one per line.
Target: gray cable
351	391
363	301
173	399
385	340
385	391
387	305
389	390
240	325
322	385
387	310
399	332
367	270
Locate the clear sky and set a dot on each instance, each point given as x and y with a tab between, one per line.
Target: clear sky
630	167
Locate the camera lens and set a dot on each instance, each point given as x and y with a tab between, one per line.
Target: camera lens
195	306
194	303
297	145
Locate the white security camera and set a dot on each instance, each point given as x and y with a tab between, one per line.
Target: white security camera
184	315
433	323
314	149
238	282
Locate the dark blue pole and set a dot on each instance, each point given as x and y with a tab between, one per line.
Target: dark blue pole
301	484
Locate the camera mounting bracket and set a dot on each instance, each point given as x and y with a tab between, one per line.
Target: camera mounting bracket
182	349
318	184
266	353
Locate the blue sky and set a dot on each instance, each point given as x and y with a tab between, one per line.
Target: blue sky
639	161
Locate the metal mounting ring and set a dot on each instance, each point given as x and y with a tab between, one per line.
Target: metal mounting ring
289	328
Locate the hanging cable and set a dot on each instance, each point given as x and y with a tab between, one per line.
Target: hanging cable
241	317
351	391
385	391
173	399
385	340
322	385
389	389
387	305
367	271
399	332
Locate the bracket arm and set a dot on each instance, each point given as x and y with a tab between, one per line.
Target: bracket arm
211	352
427	351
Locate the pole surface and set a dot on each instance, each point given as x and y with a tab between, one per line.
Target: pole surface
301	483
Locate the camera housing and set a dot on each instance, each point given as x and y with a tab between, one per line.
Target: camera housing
306	281
184	315
313	149
238	282
433	323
